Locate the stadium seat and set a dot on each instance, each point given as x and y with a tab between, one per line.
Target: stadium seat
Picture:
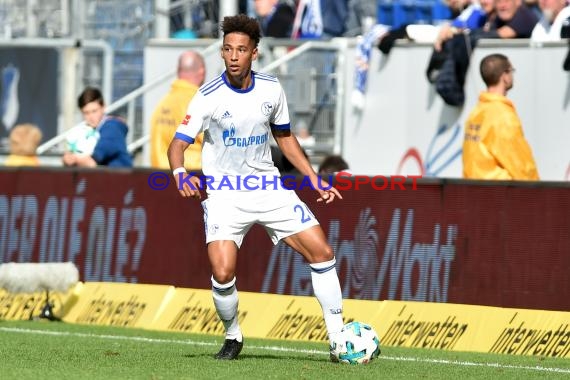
385	12
423	11
440	12
397	13
404	13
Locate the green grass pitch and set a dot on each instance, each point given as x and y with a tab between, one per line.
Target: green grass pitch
56	350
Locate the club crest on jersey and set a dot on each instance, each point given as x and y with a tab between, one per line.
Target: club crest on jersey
213	229
266	108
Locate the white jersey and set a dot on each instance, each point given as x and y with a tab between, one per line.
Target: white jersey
237	125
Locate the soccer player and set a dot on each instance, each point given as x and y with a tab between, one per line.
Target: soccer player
237	111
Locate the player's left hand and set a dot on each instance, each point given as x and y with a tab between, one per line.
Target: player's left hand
327	192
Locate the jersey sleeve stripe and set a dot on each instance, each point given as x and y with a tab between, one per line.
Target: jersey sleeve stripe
266	77
281	127
183	137
211	84
209	91
263	75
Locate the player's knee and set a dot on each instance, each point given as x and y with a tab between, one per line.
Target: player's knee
223	276
325	254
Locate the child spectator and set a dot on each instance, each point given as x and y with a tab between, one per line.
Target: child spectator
24	140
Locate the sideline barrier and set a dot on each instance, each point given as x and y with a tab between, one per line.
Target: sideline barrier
452	327
22	306
261	315
466	242
117	304
476	328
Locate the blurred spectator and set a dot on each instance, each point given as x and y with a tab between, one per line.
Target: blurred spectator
477	16
110	148
171	110
549	26
332	164
333	18
494	146
24	140
361	17
514	20
275	17
321	18
334	14
533	6
471	18
457	6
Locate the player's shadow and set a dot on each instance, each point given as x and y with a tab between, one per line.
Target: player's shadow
277	357
196	356
252	356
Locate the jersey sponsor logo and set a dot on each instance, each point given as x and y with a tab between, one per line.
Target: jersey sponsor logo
266	108
186	120
226	115
230	138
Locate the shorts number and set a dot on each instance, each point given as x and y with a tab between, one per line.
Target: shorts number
305	213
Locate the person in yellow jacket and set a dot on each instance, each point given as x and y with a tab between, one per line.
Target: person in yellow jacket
494	146
24	140
171	110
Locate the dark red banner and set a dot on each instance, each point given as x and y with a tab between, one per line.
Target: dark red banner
487	243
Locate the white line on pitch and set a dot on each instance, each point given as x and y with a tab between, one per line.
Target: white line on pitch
283	349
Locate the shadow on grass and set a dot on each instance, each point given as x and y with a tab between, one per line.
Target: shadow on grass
246	357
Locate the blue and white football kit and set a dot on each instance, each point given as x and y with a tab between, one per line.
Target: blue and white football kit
243	183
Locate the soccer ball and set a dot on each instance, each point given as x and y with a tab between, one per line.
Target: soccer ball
357	343
82	139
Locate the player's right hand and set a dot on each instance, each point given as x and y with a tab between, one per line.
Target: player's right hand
188	190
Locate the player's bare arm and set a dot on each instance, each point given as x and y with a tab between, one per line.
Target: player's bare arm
292	150
176	159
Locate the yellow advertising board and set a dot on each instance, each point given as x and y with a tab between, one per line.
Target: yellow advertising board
260	315
25	306
474	328
190	310
435	325
300	318
532	332
119	304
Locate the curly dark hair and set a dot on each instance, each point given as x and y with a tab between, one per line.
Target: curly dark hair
242	24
